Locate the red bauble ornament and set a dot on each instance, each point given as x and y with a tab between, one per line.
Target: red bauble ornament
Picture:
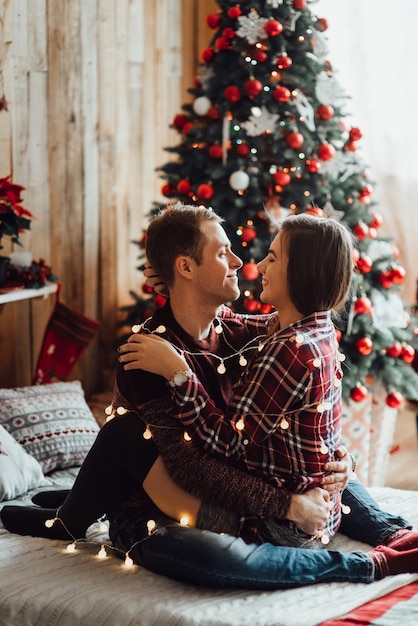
250	305
326	151
160	300
407	353
281	178
223	43
394	399
299	5
364	346
294	140
234	12
265	308
361	231
372	233
313	166
168	190
359	393
338	334
386	280
394	350
232	93
259	55
208	55
213	20
184	187
283	62
355	134
213	113
273	28
242	149
215	151
363	306
325	112
205	191
253	87
187	126
323	24
364	264
398	274
179	121
376	221
250	271
350	146
281	94
248	234
229	33
367	190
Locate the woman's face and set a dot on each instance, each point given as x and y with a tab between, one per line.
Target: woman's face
273	269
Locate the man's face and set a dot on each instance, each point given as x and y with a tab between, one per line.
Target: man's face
216	277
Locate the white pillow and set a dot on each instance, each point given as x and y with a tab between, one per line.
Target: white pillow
19	472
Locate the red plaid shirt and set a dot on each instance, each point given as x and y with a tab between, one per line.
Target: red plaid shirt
284	417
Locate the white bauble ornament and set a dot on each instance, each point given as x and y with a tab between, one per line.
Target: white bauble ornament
239	180
201	105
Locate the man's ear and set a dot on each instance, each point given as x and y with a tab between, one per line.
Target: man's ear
183	266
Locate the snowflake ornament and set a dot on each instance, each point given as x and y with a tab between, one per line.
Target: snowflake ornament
327	89
305	110
340	164
252	27
261	121
321	46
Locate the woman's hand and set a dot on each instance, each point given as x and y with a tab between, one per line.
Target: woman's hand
341	472
154	281
152	354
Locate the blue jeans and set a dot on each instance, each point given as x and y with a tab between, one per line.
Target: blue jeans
201	557
367	522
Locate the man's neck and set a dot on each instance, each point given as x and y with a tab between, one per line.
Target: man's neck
194	317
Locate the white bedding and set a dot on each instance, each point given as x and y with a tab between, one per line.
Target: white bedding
42	585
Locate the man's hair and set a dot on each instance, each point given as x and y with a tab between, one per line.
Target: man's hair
178	230
320	268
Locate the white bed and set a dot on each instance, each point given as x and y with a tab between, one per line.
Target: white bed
42	585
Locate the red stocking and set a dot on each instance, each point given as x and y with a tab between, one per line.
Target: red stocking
67	334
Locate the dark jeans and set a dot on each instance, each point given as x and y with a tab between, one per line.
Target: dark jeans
206	558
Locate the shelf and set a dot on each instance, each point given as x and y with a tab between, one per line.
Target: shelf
28	294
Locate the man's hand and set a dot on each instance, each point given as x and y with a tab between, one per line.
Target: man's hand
154	281
310	510
341	472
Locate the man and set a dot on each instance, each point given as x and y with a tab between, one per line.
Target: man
201	276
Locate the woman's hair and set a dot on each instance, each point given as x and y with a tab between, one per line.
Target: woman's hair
320	268
177	230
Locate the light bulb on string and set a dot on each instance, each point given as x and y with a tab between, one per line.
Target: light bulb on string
221	369
128	561
102	554
147	433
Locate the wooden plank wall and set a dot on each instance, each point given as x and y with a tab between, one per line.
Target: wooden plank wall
92	87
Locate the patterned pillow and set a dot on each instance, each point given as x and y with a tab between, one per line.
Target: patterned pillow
19	471
52	422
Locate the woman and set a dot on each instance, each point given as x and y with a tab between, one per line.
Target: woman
284	418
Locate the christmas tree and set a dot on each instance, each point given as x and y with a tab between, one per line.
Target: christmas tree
265	137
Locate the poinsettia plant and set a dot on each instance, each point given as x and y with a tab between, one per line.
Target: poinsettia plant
14	218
